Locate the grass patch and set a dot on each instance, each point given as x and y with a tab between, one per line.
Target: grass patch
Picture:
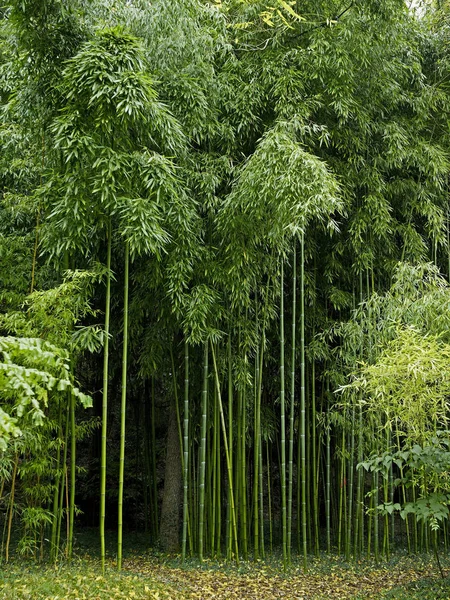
425	588
81	580
154	576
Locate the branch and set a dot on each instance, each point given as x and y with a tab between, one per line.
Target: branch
263	45
324	23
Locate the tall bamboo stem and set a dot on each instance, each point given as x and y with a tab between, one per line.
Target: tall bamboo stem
123	408
73	449
292	407
63	478
303	396
203	453
261	501
185	449
53	547
230	426
282	421
328	484
350	485
105	401
243	471
256	444
11	505
269	499
227	455
154	480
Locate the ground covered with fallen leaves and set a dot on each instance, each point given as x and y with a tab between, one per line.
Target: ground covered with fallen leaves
153	576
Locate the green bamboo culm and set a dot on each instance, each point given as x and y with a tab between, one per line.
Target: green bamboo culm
73	457
218	496
213	499
260	443
154	478
185	449
269	498
259	506
350	486
201	514
230	429
316	443
73	449
359	521
242	474
316	440
292	406
257	454
53	546
227	457
123	407
256	444
105	400
328	483
342	488
302	397
63	478
261	503
282	420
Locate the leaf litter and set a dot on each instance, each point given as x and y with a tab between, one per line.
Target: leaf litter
149	577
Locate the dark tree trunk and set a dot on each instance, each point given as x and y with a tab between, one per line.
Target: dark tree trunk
171	504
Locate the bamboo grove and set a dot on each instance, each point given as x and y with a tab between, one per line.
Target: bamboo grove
228	224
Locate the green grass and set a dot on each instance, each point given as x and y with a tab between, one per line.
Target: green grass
81	579
427	588
149	574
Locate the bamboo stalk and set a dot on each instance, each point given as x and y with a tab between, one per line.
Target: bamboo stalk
230	427
376	542
105	401
123	410
243	471
256	444
215	455
257	476
203	454
73	447
227	455
261	502
359	520
314	459
218	498
303	396
269	499
342	482
53	547
360	483
328	485
185	449
154	479
350	485
11	506
282	421
63	479
292	407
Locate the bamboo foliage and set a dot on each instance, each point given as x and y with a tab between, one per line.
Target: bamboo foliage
205	149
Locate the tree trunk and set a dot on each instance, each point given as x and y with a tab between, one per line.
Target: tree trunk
171	504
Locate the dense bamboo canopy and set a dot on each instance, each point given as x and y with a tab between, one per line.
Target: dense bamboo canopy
227	223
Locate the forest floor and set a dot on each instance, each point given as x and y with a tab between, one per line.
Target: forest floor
153	576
